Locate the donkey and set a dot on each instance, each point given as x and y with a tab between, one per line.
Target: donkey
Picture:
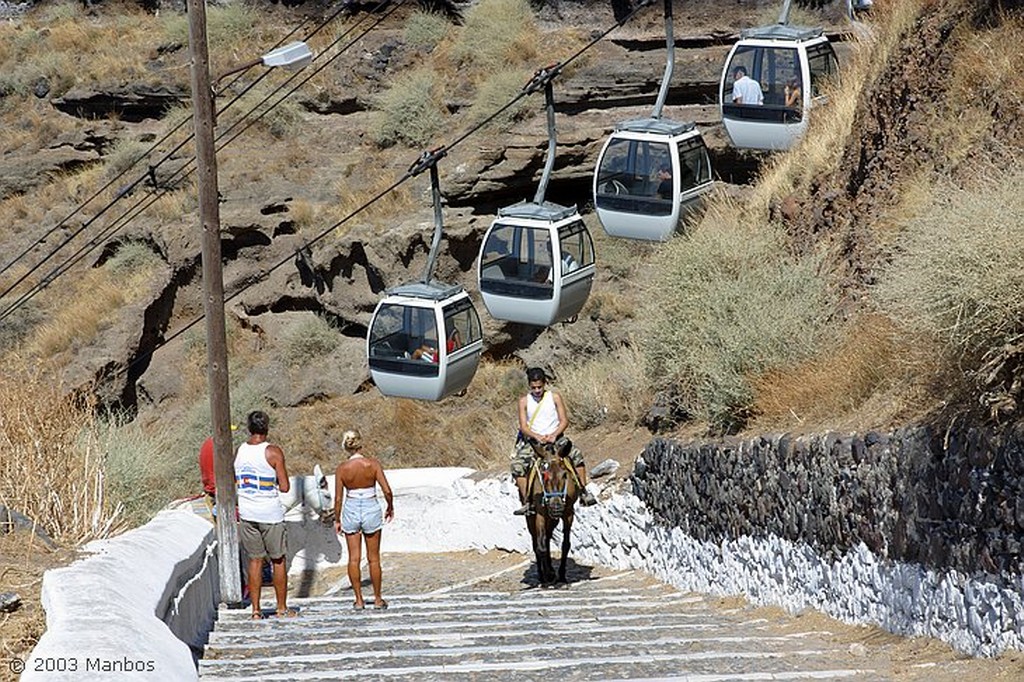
552	489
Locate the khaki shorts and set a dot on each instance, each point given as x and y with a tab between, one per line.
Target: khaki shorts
263	540
523	454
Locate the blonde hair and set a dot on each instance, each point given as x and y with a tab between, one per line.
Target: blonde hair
351	441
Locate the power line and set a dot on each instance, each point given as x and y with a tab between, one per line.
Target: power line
81	253
110	183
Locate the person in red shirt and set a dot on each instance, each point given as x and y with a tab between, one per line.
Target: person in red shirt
206	466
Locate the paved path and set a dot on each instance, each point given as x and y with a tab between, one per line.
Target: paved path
471	616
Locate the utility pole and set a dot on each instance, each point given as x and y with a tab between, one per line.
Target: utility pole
213	306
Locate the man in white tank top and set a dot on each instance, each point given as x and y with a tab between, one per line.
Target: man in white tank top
260	475
542	417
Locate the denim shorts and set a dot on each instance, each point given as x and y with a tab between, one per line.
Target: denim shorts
361	515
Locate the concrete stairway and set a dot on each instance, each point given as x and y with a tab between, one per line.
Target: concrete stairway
620	626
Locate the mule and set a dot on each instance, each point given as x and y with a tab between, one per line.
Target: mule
552	490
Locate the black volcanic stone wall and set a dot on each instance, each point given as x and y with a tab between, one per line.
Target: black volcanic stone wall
941	500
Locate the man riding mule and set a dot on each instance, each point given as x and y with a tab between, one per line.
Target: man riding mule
542	418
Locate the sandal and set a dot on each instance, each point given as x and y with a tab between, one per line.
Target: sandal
381	606
287	613
256	615
358	607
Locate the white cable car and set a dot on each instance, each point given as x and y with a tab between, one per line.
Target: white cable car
653	172
425	338
772	79
536	263
425	341
521	280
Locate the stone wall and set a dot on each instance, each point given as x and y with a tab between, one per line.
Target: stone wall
916	531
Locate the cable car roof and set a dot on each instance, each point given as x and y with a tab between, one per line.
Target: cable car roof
433	290
781	32
548	211
661	126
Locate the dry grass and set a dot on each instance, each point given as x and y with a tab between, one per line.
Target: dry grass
53	470
985	83
90	304
354	192
610	388
970	292
872	357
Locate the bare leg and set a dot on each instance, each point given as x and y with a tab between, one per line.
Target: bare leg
280	584
521	485
355	556
373	558
255	583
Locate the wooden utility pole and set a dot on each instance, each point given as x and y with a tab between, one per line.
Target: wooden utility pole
213	306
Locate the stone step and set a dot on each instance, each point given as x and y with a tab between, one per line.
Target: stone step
620	626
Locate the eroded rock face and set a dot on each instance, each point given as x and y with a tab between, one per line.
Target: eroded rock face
274	277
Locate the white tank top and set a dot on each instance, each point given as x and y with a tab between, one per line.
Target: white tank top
256	482
542	415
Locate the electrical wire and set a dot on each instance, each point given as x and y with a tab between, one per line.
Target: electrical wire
110	183
50	277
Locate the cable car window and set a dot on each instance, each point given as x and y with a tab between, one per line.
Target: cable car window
462	325
399	331
750	59
628	179
577	247
694	164
515	252
780	67
822	64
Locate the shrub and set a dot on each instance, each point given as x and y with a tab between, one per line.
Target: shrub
497	91
958	274
610	387
726	303
409	111
124	155
312	337
425	29
497	34
131	258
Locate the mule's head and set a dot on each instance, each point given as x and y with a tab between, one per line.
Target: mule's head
554	478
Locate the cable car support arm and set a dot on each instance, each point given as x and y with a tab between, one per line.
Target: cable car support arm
543	78
670	62
429	159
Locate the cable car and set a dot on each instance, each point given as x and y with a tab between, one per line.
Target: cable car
536	263
425	339
652	173
781	69
521	280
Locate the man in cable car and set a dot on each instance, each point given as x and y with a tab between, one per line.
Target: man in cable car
665	184
542	418
745	90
